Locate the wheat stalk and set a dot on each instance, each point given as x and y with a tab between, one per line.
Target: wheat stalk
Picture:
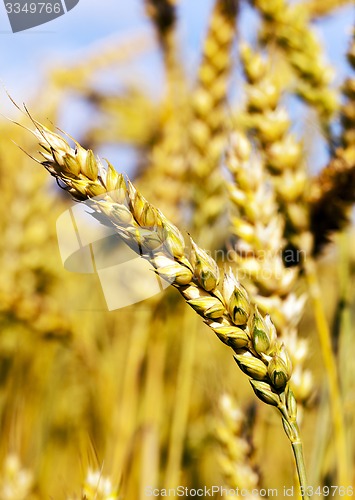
229	312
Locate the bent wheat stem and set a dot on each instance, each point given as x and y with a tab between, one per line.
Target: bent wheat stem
331	372
293	433
301	470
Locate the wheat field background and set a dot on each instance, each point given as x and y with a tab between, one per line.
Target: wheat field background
248	146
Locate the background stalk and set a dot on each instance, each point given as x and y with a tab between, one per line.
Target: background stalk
182	401
331	372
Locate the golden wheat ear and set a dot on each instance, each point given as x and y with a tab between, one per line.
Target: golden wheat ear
235	455
207	130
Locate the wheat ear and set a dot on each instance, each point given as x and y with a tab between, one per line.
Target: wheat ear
229	312
281	152
259	227
208	113
165	174
235	453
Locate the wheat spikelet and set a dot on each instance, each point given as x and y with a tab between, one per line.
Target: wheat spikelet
98	487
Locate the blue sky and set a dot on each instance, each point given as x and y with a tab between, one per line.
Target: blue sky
26	55
64	38
29	52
